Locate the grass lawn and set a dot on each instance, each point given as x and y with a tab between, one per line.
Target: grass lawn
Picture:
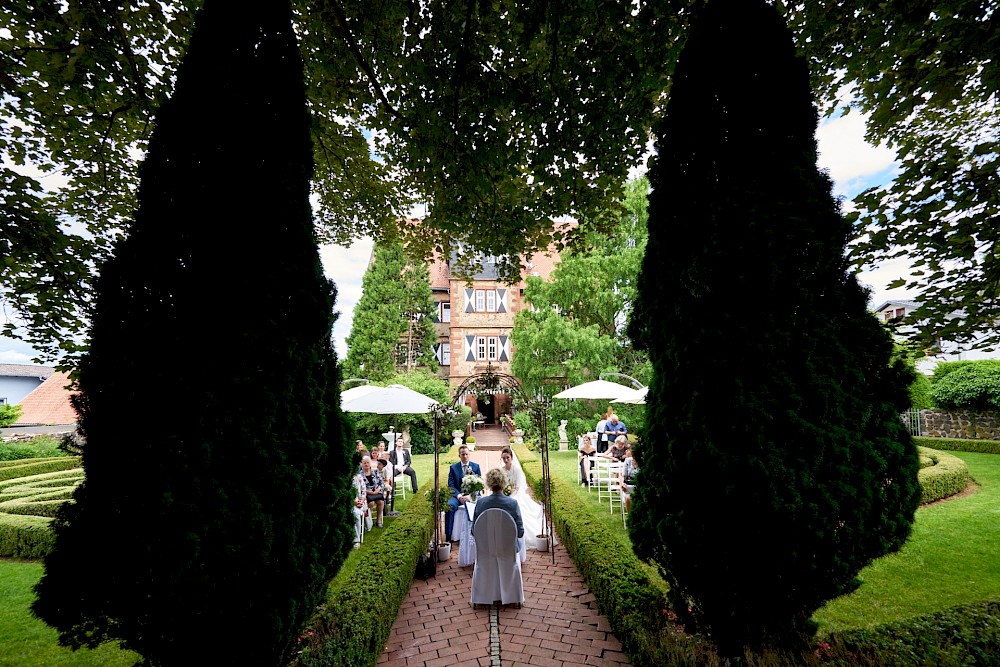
27	642
950	559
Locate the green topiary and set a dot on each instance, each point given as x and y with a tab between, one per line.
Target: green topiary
210	539
783	467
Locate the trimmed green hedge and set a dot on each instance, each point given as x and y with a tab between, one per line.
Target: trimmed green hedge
965	635
351	627
28	467
947	476
24	536
31	493
959	444
632	603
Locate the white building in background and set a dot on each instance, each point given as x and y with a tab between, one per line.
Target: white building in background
19	380
895	310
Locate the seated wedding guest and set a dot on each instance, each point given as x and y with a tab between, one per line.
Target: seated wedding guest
495	480
361	513
401	463
378	452
587	452
360	448
628	479
374	488
616	451
386	471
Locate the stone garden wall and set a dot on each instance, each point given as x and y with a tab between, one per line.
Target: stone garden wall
967	424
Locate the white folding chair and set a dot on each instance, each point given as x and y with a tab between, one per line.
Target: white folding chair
497	574
399	483
615	471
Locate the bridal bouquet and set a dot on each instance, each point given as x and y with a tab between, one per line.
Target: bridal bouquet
472	485
508	489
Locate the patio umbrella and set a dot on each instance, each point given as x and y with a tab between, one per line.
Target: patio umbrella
349	395
597	389
637	397
392	400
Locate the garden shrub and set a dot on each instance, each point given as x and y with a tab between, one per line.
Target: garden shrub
959	444
9	414
945	368
40	447
945	476
351	626
974	386
23	536
968	634
27	467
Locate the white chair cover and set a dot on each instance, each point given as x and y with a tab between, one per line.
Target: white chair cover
497	575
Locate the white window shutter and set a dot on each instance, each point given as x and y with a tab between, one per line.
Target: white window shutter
469	301
502	305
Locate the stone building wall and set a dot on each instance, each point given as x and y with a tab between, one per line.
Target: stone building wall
968	424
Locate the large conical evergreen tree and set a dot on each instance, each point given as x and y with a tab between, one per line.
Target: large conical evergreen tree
216	502
392	286
780	467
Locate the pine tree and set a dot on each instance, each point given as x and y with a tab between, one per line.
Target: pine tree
216	502
781	466
393	287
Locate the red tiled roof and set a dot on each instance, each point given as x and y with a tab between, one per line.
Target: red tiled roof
49	403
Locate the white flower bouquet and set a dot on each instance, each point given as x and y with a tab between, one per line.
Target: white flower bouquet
472	485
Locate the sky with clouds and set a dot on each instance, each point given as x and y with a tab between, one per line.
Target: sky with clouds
853	164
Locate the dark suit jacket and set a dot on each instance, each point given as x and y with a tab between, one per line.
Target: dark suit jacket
500	501
406	457
455	475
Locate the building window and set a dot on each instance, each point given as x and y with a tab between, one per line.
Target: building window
446	354
888	315
900	312
492	345
446	311
481	348
480	300
3	400
491	301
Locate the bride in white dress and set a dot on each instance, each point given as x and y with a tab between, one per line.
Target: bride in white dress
531	511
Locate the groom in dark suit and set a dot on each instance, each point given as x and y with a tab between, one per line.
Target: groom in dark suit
455	475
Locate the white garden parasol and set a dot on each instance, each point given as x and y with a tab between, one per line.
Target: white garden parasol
597	389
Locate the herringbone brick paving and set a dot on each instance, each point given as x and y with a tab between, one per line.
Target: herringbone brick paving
557	626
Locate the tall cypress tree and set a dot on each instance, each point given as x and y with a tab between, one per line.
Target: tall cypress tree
393	288
779	466
216	501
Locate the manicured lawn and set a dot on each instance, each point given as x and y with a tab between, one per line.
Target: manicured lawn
951	558
27	642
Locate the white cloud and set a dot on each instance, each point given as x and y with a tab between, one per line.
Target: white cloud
15	352
853	163
346	266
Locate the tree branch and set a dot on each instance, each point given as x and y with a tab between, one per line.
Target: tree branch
352	44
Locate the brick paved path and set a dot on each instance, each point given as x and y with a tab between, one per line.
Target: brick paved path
558	625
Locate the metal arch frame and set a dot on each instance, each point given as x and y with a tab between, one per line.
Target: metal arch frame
493	383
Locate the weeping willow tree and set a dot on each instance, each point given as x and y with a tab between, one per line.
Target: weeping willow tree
782	466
